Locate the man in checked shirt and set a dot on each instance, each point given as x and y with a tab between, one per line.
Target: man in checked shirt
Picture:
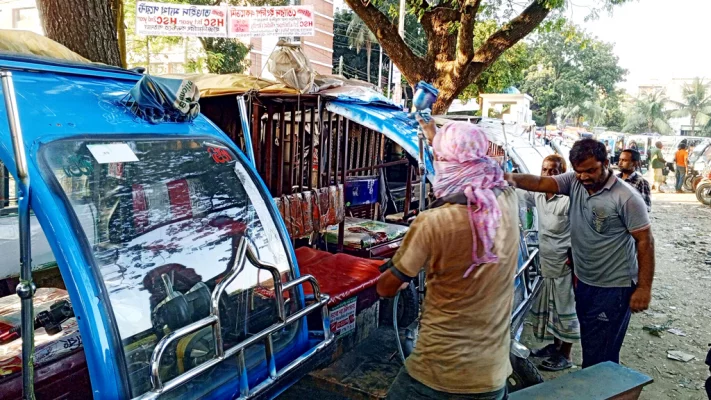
629	163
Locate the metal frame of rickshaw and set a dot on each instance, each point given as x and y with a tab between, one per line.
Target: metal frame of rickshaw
102	347
268	108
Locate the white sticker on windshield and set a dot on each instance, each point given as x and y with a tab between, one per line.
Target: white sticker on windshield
112	153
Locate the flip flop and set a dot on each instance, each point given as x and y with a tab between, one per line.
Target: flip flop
548	351
556	363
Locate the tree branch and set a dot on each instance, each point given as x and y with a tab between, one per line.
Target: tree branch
465	38
412	67
508	36
441	44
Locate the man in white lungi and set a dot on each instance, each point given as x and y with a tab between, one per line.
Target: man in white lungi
553	310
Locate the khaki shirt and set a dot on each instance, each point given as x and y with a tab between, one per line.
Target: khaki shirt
464	340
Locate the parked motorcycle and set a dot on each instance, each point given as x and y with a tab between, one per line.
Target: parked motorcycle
703	189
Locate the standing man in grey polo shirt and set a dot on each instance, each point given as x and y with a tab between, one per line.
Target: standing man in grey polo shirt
612	245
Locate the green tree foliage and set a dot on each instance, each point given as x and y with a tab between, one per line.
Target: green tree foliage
574	74
452	61
359	37
696	104
647	115
508	70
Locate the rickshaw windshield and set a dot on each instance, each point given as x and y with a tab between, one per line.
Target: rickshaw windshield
165	215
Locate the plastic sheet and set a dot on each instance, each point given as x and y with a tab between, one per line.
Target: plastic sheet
30	43
291	67
211	85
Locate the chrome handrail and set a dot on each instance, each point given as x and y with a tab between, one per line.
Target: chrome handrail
244	251
26	288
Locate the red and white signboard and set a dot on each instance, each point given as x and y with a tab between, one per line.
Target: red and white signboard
343	317
167	19
248	22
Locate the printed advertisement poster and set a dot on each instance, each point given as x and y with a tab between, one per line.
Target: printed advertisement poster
246	22
167	19
343	317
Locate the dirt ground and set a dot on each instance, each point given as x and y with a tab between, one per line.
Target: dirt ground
681	294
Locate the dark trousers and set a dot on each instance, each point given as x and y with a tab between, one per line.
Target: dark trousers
406	387
604	314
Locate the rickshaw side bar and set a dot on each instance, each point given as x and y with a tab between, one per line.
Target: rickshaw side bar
243	252
302	148
357	149
379	166
280	153
276	276
246	135
269	352
237	266
269	149
292	148
312	149
255	135
408	191
342	225
330	149
26	288
320	153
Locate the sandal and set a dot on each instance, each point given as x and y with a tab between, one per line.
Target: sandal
556	363
548	351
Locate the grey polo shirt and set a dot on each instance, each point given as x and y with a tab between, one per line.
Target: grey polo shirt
553	232
604	251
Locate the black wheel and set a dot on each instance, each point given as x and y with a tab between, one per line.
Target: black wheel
688	183
703	193
524	374
408	308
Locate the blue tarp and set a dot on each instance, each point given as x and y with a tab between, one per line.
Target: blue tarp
396	125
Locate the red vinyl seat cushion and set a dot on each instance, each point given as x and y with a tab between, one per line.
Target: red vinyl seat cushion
339	275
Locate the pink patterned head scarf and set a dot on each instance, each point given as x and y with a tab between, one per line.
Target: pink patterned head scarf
462	166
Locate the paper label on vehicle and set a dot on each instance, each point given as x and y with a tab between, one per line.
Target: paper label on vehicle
112	153
343	317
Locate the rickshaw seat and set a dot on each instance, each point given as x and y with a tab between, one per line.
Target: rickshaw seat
339	275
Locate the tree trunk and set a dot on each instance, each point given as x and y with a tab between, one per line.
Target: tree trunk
549	116
367	52
120	30
87	27
693	125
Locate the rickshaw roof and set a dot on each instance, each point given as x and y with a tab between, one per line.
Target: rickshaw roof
59	99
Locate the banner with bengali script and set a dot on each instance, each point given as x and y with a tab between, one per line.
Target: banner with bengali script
167	19
245	22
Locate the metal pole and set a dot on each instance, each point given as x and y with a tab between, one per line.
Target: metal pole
390	80
249	148
380	68
26	288
423	172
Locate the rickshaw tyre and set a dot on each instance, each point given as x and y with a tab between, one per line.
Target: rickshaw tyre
700	190
408	308
688	184
525	374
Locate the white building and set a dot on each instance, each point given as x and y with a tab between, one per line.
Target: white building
673	89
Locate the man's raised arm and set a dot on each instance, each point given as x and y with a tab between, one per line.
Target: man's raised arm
533	183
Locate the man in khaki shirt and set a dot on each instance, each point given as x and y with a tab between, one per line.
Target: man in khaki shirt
463	346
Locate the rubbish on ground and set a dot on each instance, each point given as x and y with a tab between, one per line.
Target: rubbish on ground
679	356
657	330
676	331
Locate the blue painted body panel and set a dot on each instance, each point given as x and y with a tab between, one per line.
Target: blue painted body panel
62	100
396	125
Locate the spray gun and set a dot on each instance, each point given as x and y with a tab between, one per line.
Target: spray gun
425	95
